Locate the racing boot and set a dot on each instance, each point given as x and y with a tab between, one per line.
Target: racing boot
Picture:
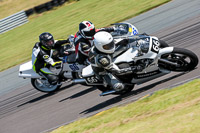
46	73
114	82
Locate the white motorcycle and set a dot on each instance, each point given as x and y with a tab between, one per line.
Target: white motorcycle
142	62
70	69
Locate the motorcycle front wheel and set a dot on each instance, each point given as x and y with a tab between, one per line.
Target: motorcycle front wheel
185	59
163	44
44	86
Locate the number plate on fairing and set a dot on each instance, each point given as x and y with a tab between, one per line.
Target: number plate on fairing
93	80
155	46
74	67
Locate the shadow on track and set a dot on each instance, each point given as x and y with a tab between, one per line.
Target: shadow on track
125	96
79	94
45	95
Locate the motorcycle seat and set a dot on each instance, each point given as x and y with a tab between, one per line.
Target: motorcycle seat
71	58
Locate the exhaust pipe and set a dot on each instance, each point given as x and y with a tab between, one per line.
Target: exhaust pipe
78	81
169	62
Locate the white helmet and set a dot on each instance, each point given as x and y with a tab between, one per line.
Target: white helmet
104	42
87	29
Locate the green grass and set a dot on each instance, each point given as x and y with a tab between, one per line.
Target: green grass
16	45
170	110
9	7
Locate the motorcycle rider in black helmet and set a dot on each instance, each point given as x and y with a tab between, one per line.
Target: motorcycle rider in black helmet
83	39
42	56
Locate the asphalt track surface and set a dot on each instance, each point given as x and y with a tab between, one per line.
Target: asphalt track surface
26	110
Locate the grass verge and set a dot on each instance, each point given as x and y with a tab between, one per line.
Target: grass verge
16	45
169	110
9	7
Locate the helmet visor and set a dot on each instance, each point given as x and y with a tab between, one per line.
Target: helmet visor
49	43
109	46
90	33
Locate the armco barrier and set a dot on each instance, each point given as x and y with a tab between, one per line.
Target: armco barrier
20	18
45	7
13	21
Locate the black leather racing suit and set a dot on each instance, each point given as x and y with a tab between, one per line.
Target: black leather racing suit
42	57
83	45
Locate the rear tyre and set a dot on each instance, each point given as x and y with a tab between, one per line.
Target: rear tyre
186	60
44	86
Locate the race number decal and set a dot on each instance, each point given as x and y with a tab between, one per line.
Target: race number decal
92	79
74	67
155	46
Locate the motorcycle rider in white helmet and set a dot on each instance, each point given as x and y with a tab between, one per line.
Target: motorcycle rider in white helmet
101	55
83	39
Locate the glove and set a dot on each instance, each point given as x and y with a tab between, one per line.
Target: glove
114	71
57	64
113	68
85	47
68	49
115	28
122	71
71	39
67	52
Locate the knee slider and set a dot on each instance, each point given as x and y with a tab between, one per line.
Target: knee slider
118	86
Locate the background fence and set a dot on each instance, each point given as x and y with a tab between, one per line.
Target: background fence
45	7
20	18
13	21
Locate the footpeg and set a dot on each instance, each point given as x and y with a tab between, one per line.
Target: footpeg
108	92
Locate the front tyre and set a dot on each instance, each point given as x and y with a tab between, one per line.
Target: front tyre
185	59
44	86
163	44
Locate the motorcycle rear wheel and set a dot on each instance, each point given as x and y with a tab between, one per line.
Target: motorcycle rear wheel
186	59
44	86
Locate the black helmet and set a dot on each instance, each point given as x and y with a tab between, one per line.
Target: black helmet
87	29
46	39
